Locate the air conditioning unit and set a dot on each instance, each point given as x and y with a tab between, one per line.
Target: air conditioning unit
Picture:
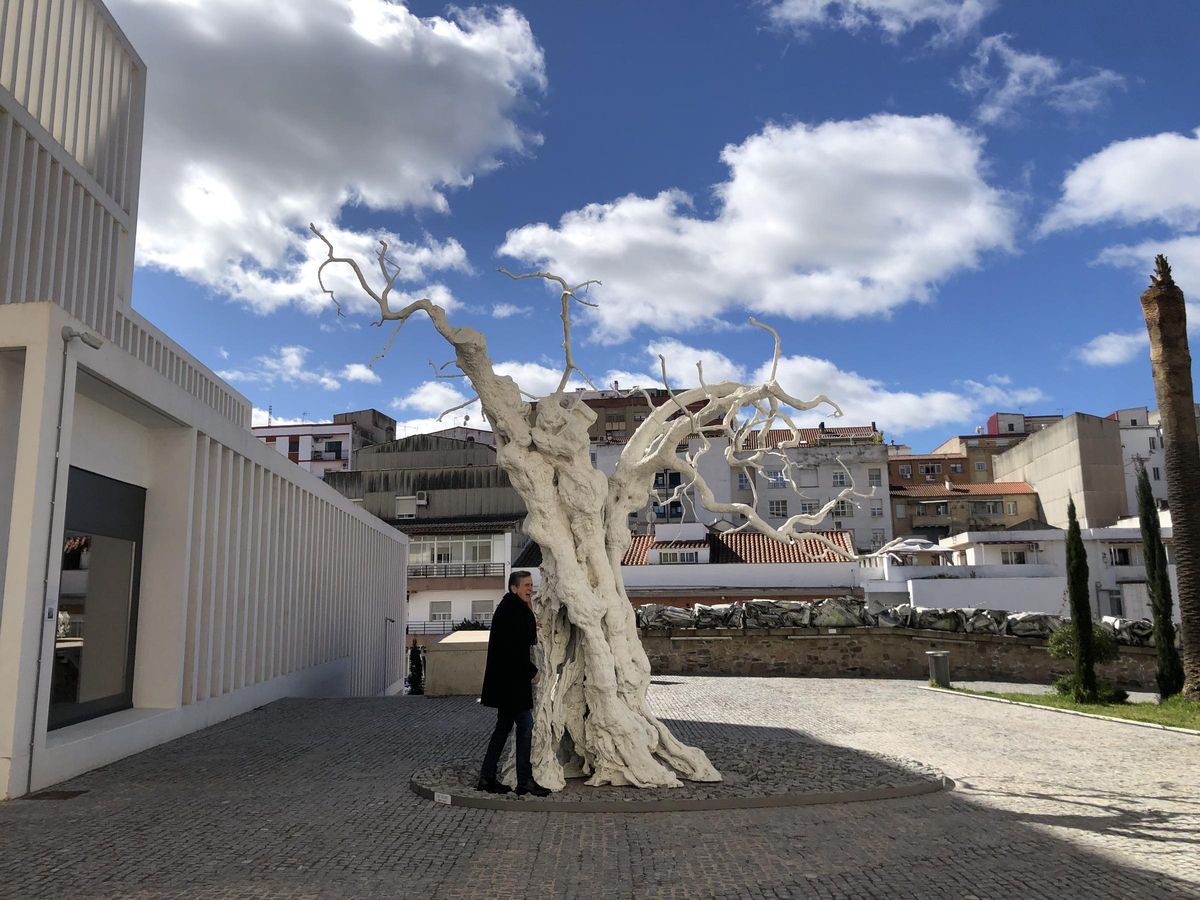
422	498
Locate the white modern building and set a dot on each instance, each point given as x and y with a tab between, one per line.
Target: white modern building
316	447
1018	571
161	568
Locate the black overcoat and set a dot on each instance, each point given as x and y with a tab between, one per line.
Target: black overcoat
508	679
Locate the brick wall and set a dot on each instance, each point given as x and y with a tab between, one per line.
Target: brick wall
873	653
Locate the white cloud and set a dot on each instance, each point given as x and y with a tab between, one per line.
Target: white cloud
681	364
1004	78
894	17
1149	179
841	219
865	400
1114	348
223	353
430	397
360	372
296	280
289	366
508	310
264	116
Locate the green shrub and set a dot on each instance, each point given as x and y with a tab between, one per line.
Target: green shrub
1067	686
1061	644
471	625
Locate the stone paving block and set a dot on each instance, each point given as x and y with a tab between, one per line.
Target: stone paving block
310	798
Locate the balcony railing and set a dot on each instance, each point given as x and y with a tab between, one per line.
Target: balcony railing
455	570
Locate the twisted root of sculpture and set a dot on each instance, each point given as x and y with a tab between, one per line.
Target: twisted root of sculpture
591	716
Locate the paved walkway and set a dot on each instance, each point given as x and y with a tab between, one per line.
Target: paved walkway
310	799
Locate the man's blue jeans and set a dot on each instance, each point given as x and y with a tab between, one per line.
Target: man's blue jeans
505	719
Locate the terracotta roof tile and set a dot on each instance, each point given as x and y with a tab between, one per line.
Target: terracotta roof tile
981	489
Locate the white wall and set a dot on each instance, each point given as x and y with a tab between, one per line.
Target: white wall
1012	594
773	575
258	581
461	600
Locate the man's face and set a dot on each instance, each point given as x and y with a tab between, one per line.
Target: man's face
524	589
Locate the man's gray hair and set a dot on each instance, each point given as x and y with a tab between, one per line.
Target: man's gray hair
517	577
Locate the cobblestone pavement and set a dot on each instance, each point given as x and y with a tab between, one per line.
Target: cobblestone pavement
309	798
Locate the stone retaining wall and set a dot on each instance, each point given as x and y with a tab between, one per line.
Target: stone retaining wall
874	653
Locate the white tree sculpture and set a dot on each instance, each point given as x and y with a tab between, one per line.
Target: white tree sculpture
591	716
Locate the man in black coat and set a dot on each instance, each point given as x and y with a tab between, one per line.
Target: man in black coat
508	686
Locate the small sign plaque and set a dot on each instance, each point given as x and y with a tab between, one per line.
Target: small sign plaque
439	797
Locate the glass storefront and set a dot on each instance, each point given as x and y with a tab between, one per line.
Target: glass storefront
98	598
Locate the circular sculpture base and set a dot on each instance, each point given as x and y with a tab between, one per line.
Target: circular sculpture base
755	775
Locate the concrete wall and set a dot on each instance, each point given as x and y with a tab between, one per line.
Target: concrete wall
454	666
257	580
1079	457
874	653
1011	594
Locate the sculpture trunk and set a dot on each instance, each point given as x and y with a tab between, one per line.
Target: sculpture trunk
587	630
1171	363
591	716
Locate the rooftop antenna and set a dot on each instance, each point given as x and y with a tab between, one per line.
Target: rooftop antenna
270	410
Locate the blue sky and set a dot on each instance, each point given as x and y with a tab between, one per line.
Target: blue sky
947	208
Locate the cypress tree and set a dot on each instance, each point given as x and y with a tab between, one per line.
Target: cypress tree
1079	593
1169	672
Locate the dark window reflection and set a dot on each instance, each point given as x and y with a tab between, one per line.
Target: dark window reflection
97	604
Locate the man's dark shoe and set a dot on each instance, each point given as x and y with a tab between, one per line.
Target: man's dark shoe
492	786
532	787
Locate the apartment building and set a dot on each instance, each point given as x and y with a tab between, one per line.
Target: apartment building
462	518
147	539
317	447
936	511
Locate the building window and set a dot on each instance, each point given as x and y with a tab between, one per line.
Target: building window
905	470
956	468
333	449
1010	508
592	457
988	508
809	507
930	468
876	509
1133	422
840	478
1153	443
1012	557
874	477
293	445
776	478
934	509
743	481
481	610
843	508
1155	474
1121	556
877	538
678	557
440	611
777	509
981	466
92	667
901	511
1012	427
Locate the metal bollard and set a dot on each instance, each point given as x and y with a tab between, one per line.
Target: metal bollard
939	667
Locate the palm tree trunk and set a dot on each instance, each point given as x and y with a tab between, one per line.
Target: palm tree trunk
1171	362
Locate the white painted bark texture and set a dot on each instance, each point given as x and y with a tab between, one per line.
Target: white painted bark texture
591	717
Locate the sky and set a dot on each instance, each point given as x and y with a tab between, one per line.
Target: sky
946	208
